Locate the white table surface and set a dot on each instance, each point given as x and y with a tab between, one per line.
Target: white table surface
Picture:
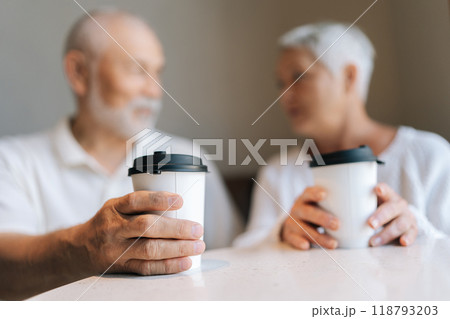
419	272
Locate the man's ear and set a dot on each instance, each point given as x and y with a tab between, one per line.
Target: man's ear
350	78
77	72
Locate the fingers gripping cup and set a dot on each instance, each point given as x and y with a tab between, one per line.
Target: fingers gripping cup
349	178
176	173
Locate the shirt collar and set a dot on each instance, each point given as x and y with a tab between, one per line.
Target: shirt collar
70	152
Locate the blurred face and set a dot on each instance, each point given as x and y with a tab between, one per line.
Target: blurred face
315	104
122	97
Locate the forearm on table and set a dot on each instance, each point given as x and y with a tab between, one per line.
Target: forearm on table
30	265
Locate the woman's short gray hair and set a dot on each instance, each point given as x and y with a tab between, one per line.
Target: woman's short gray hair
347	47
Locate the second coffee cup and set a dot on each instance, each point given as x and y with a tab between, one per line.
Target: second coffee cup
349	178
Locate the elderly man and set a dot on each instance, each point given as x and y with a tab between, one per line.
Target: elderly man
67	208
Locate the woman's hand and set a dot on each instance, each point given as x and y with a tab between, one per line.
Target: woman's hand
300	228
395	216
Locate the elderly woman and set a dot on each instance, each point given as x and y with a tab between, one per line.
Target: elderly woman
327	104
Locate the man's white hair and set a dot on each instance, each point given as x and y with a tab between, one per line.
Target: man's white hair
88	37
354	47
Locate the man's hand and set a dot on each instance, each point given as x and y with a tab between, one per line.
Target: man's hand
33	264
164	244
300	228
394	215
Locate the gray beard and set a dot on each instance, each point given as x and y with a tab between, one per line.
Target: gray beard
123	121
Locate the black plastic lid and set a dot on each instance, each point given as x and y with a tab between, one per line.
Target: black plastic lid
163	162
361	154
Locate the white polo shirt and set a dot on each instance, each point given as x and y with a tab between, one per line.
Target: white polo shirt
49	182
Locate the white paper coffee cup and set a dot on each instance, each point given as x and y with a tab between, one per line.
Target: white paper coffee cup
349	177
175	173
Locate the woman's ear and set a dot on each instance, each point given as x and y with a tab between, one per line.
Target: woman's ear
350	78
77	72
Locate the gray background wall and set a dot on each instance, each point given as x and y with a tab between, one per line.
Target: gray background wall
221	56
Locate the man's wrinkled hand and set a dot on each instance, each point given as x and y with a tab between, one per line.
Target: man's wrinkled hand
123	233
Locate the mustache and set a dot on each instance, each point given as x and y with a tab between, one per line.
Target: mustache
153	105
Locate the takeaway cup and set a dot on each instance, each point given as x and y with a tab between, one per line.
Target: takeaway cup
176	173
349	177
